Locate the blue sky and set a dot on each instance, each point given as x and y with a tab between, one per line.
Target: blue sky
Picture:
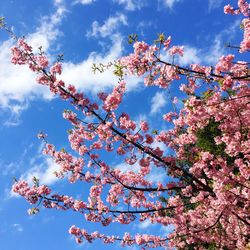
86	32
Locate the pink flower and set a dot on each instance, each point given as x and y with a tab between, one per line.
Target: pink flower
245	44
167	42
176	50
144	126
42	62
228	9
56	69
149	139
113	100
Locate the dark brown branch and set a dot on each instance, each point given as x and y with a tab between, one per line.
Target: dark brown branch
151	189
212	78
242	219
123	211
211	226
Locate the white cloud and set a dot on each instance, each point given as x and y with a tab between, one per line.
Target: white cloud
58	3
124	167
82	76
210	55
84	2
48	32
145	224
131	5
109	26
11	169
203	56
13	119
214	4
158	101
214	53
40	166
170	3
191	55
156	175
167	229
17	83
161	145
18	86
43	171
217	49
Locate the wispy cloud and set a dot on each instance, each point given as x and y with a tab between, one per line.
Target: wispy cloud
84	2
214	53
17	84
48	31
83	77
167	229
14	110
170	3
203	56
131	5
191	55
124	167
109	27
26	168
214	4
145	224
158	101
9	169
43	171
217	48
12	168
211	54
207	56
58	3
156	175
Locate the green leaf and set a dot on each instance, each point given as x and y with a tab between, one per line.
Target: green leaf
35	181
231	92
132	38
155	132
2	22
118	70
208	94
33	211
220	82
160	38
